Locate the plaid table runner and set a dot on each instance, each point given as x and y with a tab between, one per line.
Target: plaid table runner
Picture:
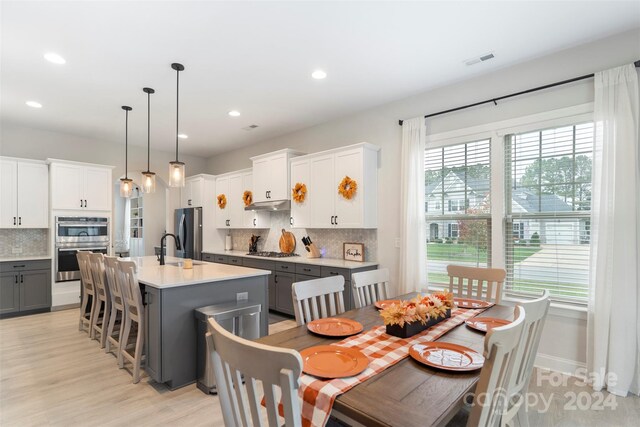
382	350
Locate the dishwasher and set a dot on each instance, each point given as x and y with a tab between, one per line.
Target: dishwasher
239	318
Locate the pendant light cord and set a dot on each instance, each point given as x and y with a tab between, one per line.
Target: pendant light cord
126	144
148	129
177	108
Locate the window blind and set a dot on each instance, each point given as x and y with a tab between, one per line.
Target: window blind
548	211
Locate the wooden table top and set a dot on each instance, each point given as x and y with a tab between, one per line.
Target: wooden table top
407	394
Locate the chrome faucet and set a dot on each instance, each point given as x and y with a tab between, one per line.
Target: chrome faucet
162	244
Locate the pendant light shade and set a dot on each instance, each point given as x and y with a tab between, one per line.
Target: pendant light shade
126	184
176	168
148	177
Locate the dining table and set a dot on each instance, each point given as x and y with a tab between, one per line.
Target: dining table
407	394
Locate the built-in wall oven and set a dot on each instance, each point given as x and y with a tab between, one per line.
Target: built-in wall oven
75	234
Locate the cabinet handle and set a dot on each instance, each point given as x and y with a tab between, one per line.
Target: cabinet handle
254	222
18	266
275	278
16	278
21	278
14	220
85	203
284	267
333	273
290	220
306	269
19	220
336	219
266	194
81	203
332	219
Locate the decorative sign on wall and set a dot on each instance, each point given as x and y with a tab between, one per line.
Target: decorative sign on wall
353	251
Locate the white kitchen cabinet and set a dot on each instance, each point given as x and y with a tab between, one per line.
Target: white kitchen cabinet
24	194
192	194
78	186
324	207
271	175
233	185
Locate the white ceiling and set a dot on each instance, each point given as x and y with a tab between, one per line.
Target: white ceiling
257	57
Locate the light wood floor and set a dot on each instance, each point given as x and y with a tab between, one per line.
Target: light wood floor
52	374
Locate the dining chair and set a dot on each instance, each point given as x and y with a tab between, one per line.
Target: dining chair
500	351
535	315
476	282
99	324
278	369
88	291
370	286
134	308
325	294
117	305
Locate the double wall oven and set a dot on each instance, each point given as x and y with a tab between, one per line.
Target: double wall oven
73	234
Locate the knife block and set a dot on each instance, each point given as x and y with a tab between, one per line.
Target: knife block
314	252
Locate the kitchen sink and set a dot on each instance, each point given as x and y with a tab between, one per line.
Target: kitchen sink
181	263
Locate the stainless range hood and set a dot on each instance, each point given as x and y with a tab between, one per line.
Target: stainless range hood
271	205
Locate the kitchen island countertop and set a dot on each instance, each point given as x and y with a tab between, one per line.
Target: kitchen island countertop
327	262
172	274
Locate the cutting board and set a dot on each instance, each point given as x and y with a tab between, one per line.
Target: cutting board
287	242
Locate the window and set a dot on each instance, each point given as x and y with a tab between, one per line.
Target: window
457	178
548	208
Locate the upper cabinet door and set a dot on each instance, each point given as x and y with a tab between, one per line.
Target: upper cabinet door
222	214
262	180
185	195
349	212
97	189
279	177
8	194
300	212
67	186
321	192
248	217
33	195
235	206
197	190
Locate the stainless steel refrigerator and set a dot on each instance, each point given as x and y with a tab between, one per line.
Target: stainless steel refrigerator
188	224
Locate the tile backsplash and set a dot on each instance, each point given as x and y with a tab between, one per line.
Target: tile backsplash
329	240
32	241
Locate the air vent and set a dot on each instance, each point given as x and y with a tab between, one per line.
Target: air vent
250	127
478	59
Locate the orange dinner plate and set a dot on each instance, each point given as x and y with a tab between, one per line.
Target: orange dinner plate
333	361
385	303
484	324
472	303
447	356
335	327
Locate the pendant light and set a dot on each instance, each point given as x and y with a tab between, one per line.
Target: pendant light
176	169
148	177
126	184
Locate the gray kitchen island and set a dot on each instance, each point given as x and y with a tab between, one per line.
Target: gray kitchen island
172	293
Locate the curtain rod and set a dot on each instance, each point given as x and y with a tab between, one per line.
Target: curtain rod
511	95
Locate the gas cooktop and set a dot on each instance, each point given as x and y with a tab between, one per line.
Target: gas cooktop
272	254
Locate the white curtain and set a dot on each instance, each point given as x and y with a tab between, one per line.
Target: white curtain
413	260
614	301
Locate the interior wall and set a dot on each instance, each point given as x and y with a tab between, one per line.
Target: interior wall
379	126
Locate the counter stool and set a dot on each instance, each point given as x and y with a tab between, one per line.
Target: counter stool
134	313
86	281
103	300
117	305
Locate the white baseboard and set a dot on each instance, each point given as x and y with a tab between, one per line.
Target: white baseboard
558	364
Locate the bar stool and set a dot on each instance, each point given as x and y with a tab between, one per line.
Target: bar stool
117	304
86	281
134	313
103	299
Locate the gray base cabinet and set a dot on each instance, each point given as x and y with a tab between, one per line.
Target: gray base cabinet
284	298
25	286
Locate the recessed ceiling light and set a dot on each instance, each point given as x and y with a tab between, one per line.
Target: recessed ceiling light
319	74
234	113
33	104
54	57
183	136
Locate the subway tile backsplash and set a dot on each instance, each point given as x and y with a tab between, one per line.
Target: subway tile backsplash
329	241
32	241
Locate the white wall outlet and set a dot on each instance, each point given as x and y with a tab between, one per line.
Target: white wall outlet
16	250
397	242
241	296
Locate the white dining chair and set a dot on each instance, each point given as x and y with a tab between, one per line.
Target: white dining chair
275	367
370	286
102	306
318	298
88	291
476	282
134	313
117	305
535	315
500	348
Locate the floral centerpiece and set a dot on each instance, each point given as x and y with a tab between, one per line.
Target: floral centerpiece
407	318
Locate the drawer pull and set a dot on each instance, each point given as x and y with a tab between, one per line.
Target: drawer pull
306	269
18	266
333	273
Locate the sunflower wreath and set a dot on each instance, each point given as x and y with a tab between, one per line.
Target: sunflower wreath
299	192
222	201
247	198
348	188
